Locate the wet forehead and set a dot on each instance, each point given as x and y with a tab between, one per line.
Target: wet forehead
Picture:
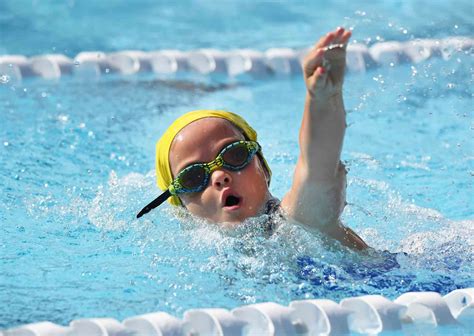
200	141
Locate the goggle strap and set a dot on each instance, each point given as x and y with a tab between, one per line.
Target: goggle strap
155	203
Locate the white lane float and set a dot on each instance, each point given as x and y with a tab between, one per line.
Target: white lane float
52	66
283	61
461	305
323	317
207	61
268	318
38	329
96	327
373	314
15	67
90	64
214	321
425	308
130	61
154	324
169	62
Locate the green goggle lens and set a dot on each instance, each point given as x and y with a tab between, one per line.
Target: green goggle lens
236	156
192	177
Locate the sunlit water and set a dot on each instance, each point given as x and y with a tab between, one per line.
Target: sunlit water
77	163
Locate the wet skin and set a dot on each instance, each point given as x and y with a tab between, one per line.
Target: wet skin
201	141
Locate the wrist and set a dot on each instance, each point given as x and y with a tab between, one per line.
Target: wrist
334	101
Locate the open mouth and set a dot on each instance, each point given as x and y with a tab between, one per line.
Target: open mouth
232	200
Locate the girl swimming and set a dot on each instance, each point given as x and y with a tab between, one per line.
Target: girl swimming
211	163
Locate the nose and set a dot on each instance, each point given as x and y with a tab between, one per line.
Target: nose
220	178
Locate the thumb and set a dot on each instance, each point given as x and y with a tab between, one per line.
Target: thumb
319	79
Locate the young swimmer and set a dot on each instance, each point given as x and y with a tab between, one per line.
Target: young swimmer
211	163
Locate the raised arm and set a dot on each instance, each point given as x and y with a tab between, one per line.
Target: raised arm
317	196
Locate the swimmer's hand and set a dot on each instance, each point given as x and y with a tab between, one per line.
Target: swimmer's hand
325	64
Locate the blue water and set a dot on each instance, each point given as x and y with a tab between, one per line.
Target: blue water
77	163
68	27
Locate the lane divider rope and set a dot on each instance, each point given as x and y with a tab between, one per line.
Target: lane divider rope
411	313
231	63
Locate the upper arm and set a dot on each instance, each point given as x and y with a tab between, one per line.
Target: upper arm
318	204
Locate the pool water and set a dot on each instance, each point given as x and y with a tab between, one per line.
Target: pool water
69	27
78	160
77	164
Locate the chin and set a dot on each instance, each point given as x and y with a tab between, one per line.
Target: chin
233	221
229	224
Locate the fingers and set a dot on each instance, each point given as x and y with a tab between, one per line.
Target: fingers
320	78
313	60
325	40
338	36
344	39
330	48
339	32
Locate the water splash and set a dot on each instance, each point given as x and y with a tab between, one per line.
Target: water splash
111	207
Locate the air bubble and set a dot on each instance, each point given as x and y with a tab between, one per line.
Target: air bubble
4	79
63	118
379	79
44	94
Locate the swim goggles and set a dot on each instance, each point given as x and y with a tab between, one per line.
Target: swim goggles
195	177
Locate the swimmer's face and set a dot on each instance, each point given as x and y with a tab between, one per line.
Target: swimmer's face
201	141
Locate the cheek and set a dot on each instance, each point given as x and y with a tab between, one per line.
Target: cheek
191	200
254	178
198	203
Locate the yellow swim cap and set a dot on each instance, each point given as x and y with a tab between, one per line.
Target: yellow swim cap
163	169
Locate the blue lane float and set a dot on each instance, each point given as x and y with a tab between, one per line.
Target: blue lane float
231	63
410	313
